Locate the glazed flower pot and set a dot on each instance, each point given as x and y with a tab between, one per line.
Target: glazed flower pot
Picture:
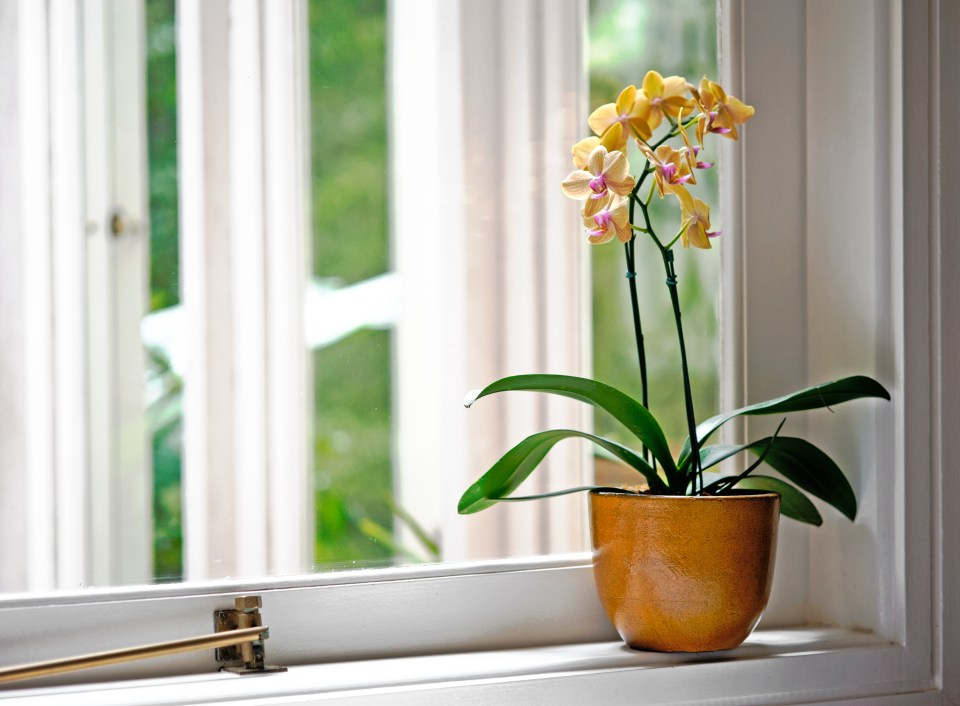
680	573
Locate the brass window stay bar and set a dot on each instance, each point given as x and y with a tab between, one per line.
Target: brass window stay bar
238	641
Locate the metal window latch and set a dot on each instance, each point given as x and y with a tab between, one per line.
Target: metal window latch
247	657
238	641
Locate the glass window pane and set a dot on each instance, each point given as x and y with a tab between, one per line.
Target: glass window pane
164	387
352	372
351	329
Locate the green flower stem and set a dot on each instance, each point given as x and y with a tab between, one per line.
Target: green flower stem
687	392
646	219
637	327
676	237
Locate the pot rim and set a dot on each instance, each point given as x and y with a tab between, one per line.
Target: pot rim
737	494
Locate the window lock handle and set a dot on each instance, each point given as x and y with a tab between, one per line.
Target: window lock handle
238	641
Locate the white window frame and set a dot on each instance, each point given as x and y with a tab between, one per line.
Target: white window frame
912	646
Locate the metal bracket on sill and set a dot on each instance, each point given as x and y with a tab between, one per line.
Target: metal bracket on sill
247	657
238	641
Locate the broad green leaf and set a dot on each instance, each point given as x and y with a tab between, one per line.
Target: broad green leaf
519	462
825	395
557	493
800	462
793	503
768	445
807	466
711	455
633	415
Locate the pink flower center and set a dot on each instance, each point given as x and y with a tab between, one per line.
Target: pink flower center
598	185
603	219
712	128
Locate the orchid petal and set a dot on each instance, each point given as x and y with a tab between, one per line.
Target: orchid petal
596	160
599	237
581	151
626	100
577	184
603	118
653	84
686	200
613	138
615	164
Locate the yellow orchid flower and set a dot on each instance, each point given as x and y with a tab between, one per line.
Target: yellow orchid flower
672	168
605	173
627	112
662	97
694	221
611	139
612	220
691	152
721	113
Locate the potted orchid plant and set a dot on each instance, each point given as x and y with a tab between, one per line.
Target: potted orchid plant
683	560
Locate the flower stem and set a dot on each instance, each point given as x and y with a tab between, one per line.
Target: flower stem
687	392
637	327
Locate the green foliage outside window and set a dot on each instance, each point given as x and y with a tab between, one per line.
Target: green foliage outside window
164	416
352	377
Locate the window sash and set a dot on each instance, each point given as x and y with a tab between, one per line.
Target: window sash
516	603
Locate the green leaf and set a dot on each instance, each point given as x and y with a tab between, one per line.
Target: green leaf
557	493
519	462
793	503
763	455
633	415
800	462
711	455
825	395
807	466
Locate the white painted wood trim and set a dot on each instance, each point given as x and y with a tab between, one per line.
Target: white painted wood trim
428	251
101	335
287	210
69	294
12	440
205	444
37	304
248	301
132	473
593	673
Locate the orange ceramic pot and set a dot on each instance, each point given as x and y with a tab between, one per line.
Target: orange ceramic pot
683	574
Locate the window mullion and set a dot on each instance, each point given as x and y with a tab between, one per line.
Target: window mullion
28	455
69	292
247	301
204	167
287	210
129	236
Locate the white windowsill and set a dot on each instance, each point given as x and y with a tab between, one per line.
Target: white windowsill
603	672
